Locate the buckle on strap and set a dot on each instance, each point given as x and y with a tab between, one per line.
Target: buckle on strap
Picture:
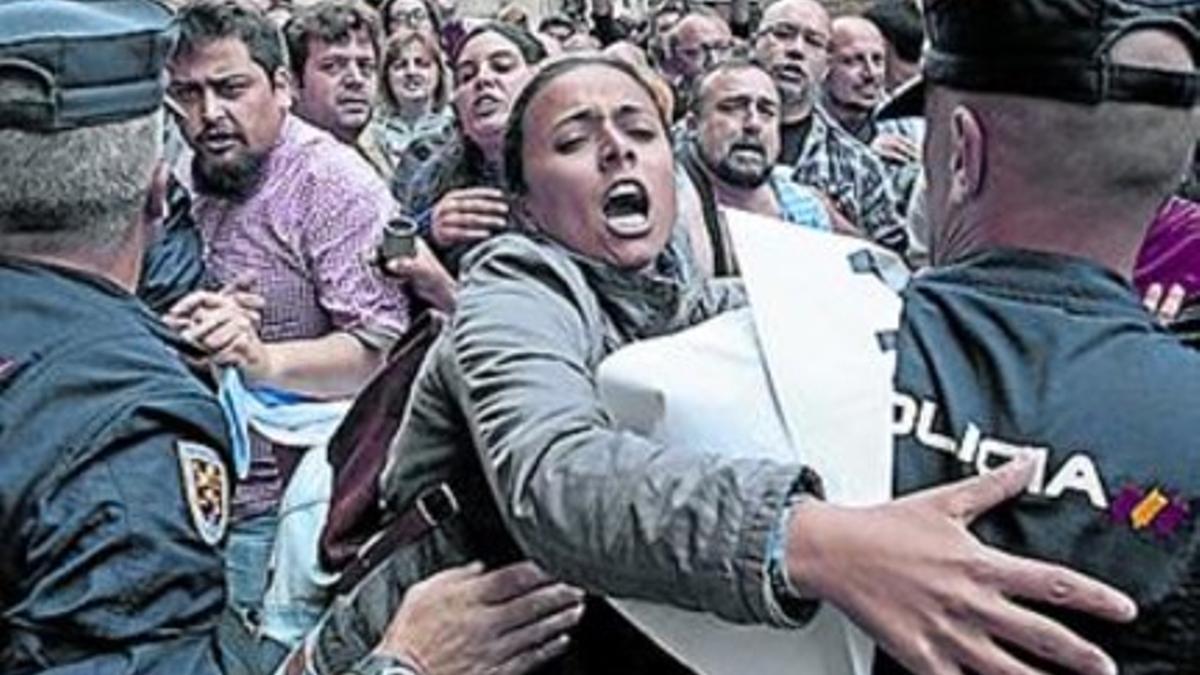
437	504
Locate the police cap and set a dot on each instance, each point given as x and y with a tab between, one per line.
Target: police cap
75	63
1054	49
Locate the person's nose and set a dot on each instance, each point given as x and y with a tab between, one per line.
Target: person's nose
753	123
486	78
355	77
616	150
211	109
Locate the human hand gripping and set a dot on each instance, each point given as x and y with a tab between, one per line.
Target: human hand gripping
912	575
468	215
896	148
428	277
465	621
225	325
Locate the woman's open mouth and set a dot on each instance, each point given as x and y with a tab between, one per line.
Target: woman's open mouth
627	209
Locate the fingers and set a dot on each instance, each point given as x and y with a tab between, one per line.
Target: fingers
985	657
476	193
235	353
470	214
536	605
1153	298
242	283
246	300
896	148
967	499
1060	586
1036	635
482	206
539	632
531	659
506	583
1169	309
459	574
193	301
470	220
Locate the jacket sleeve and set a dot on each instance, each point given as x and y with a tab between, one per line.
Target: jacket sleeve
126	556
603	508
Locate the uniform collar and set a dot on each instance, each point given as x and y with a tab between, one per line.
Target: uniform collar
1044	278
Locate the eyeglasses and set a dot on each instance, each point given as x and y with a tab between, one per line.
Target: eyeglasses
789	32
412	18
711	53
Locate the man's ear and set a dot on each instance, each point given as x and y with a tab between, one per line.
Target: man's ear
154	210
282	81
968	155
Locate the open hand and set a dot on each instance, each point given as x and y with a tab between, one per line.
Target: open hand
938	600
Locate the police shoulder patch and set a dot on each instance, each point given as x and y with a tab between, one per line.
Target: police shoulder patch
206	489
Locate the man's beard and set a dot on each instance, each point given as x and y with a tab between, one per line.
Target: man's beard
232	180
737	176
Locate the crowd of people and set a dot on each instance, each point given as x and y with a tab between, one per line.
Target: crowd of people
304	302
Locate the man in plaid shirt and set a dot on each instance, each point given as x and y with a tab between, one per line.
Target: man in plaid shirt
793	41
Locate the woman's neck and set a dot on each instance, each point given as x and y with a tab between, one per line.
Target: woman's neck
412	110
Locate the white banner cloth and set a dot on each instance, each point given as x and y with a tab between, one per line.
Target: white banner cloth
799	376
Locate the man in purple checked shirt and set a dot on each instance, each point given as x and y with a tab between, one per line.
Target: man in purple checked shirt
285	211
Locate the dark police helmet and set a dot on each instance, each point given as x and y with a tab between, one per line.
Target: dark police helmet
1054	49
66	64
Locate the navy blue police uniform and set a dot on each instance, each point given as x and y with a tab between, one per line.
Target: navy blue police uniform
1011	352
1016	352
114	486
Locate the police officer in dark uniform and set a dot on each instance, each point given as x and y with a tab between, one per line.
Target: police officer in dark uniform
1056	129
114	478
114	487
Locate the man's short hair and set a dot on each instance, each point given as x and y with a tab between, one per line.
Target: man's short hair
73	190
204	21
702	11
331	22
742	59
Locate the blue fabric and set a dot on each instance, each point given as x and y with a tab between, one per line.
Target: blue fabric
306	421
798	204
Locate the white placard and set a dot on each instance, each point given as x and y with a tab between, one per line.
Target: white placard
798	376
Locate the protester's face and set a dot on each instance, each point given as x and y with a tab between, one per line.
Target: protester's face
232	112
489	74
699	42
408	14
793	41
413	75
738	128
598	167
336	91
856	66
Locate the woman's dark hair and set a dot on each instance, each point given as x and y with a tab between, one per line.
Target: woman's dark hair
514	134
206	21
531	50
